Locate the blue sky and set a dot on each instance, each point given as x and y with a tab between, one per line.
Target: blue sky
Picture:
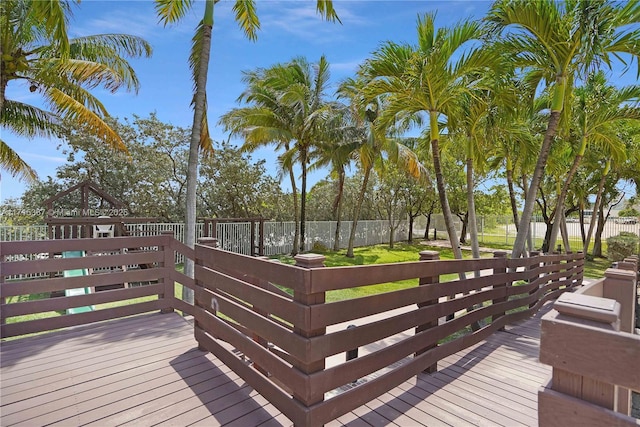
288	29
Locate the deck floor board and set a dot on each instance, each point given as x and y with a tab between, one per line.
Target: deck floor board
147	370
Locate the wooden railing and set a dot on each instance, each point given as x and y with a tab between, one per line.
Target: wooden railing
112	263
277	316
589	341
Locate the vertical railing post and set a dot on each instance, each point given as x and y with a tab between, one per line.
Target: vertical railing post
257	338
557	332
534	266
169	266
620	285
304	296
502	255
211	242
423	281
261	238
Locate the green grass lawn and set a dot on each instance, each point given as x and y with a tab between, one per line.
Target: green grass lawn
404	252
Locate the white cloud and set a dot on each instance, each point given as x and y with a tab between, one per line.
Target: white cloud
54	159
301	19
348	67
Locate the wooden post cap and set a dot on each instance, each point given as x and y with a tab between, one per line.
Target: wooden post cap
618	274
429	255
208	241
310	260
601	310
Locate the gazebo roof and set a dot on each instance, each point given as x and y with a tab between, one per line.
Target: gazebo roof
86	187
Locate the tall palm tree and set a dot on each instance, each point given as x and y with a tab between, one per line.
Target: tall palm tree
373	142
35	48
429	78
337	151
246	16
369	143
264	122
288	107
598	109
557	42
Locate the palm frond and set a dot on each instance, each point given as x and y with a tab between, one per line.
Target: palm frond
12	163
54	17
247	18
28	121
326	10
170	11
70	108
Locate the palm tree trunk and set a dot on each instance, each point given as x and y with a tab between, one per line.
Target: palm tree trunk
512	195
303	199
444	201
356	214
597	241
442	194
337	211
3	84
529	236
565	234
596	207
194	144
294	194
472	222
562	197
529	203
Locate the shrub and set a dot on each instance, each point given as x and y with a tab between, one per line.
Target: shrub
319	247
622	246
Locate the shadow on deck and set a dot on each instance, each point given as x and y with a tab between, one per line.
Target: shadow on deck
147	370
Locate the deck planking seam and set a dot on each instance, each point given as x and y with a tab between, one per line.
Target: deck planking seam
90	389
94	330
137	397
125	391
69	378
422	410
208	397
85	359
148	408
514	411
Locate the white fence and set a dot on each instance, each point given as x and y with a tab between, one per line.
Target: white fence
236	237
278	236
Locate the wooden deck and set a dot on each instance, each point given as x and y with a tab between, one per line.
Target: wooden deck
147	370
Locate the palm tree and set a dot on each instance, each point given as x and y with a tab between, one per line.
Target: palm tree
430	78
35	48
264	122
288	108
337	151
558	42
372	142
598	109
603	161
246	16
369	144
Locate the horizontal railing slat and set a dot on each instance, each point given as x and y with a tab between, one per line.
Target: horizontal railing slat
54	304
63	245
51	323
93	261
37	286
280	399
587	349
289	276
285	373
294	344
335	278
268	302
337	342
